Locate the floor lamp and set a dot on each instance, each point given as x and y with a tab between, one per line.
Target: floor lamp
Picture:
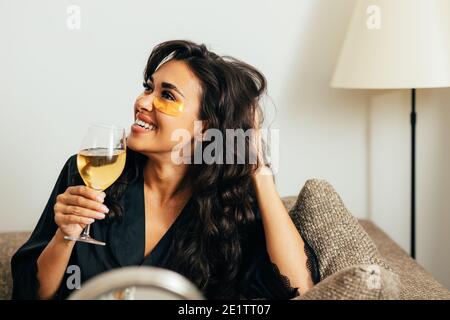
400	44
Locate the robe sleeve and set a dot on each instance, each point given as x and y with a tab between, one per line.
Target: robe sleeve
24	261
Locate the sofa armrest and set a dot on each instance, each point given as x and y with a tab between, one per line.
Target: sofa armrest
416	282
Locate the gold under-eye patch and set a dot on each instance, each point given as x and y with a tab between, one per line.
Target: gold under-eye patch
172	108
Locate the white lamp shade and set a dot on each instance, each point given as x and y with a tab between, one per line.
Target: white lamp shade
395	44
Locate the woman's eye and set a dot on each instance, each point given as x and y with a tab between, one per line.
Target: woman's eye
167	95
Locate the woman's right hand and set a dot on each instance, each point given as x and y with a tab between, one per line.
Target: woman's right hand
77	207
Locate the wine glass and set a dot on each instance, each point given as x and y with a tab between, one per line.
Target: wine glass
100	162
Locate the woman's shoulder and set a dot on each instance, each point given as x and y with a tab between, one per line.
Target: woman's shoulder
71	162
72	159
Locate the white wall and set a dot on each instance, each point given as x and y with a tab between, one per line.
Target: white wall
323	130
390	136
55	81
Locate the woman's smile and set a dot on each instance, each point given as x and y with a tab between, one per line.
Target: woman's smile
143	124
139	128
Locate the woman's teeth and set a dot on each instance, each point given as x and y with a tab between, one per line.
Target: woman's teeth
145	125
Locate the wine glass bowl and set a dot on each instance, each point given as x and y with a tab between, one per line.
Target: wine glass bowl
100	167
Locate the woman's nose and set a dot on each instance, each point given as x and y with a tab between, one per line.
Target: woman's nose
145	101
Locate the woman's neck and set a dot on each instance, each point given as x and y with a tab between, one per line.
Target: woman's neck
162	178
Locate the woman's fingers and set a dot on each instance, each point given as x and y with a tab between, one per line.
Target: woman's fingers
82	212
71	219
81	201
87	193
61	208
65	219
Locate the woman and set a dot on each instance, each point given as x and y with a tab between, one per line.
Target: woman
220	224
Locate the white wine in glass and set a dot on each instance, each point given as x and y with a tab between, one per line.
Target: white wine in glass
100	162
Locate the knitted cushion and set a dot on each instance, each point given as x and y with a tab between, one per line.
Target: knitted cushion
337	238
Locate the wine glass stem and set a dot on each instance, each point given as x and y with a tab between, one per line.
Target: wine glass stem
86	230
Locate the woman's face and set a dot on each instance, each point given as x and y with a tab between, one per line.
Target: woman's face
172	84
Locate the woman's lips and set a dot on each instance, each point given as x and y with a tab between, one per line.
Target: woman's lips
145	118
138	129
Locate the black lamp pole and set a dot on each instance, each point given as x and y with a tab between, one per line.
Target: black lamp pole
413	173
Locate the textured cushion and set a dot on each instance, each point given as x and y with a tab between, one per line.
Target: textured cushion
337	238
9	243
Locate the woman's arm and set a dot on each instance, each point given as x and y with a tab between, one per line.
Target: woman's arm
52	264
76	207
284	244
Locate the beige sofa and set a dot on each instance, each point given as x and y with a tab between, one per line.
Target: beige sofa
415	281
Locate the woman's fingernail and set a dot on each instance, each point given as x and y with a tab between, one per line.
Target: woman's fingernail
100	198
105	209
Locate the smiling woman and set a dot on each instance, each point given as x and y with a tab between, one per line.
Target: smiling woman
221	224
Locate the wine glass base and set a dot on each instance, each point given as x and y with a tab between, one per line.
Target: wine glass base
86	239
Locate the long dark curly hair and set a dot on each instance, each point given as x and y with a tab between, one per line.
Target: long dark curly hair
208	249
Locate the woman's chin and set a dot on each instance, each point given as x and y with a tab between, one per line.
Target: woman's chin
143	147
140	138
